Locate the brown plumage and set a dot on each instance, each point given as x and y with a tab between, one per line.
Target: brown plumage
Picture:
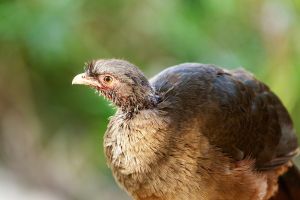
194	132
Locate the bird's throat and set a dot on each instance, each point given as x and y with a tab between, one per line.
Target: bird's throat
131	105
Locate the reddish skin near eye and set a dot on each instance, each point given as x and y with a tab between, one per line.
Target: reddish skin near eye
196	132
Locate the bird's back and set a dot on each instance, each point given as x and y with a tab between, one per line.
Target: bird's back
237	113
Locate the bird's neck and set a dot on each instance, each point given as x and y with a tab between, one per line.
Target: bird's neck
134	104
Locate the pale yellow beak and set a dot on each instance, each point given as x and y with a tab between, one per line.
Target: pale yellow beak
82	79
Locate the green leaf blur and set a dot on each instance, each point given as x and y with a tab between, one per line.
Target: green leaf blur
50	128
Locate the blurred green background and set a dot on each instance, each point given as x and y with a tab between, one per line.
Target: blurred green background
51	132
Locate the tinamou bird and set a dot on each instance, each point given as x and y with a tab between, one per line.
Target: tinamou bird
195	132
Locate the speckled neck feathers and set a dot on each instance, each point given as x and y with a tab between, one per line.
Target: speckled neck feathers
135	94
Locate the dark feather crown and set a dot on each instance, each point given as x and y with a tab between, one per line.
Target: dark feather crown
89	67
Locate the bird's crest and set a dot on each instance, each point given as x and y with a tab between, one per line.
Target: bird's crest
89	67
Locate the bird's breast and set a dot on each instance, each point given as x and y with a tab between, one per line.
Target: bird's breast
132	145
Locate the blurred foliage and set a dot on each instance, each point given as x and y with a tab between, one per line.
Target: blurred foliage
44	43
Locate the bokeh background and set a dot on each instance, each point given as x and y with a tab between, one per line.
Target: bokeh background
51	132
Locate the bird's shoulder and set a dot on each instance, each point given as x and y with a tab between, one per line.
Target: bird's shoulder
181	74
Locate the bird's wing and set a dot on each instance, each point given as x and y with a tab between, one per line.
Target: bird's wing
272	122
238	113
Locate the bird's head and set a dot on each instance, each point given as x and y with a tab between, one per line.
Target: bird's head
120	82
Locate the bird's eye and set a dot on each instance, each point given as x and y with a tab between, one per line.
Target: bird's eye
107	79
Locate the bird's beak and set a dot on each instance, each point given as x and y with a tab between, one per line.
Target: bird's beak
83	79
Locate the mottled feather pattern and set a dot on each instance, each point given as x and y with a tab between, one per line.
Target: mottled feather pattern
147	165
228	109
195	132
128	141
